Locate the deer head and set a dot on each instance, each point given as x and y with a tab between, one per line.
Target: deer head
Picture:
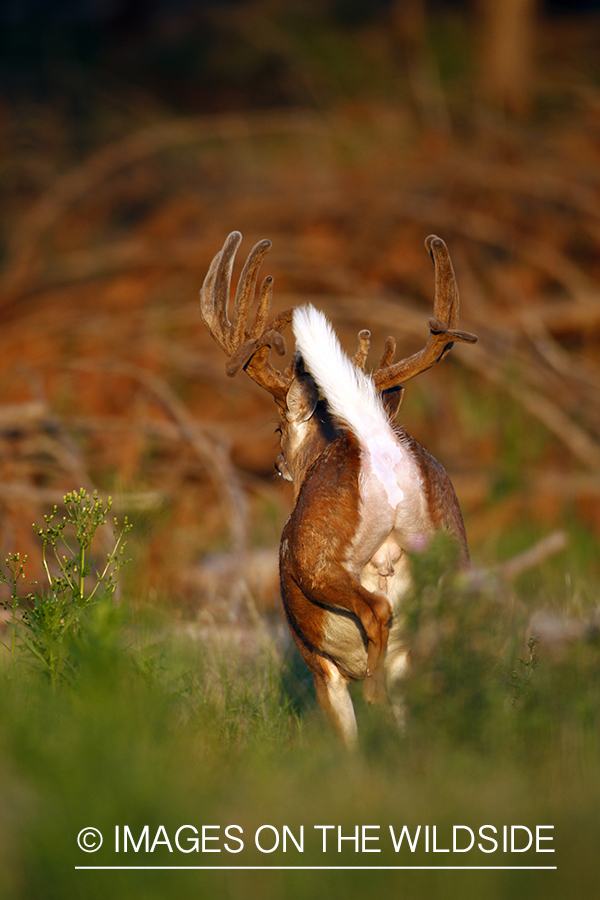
306	425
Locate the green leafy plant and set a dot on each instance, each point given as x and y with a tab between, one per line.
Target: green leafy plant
45	623
14	570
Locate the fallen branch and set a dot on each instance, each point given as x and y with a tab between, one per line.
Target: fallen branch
24	251
214	458
534	556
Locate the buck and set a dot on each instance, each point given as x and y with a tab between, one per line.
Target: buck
366	493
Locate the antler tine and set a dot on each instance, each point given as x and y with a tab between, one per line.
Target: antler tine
214	296
446	302
207	312
247	348
389	351
265	298
244	295
442	333
362	351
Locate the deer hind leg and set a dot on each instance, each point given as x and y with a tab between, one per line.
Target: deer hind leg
334	588
308	623
334	699
374	611
397	669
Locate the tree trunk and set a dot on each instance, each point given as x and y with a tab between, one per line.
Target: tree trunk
506	53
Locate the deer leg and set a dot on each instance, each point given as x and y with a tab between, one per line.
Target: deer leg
374	611
374	683
397	668
335	588
334	699
307	622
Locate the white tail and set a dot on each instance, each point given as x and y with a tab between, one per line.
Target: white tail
351	396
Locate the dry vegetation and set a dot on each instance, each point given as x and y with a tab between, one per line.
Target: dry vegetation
108	380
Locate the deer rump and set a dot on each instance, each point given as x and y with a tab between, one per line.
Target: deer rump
368	496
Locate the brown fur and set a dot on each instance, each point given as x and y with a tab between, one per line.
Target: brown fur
313	546
441	498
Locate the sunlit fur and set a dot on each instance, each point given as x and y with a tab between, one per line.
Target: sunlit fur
351	396
366	494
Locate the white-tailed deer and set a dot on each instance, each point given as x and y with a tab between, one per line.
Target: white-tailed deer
365	491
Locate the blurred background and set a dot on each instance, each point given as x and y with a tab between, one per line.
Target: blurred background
134	136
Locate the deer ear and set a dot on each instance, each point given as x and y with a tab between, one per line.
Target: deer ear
392	398
301	399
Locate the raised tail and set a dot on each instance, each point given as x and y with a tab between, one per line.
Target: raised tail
350	393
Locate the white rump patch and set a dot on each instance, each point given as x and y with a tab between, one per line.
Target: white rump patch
383	461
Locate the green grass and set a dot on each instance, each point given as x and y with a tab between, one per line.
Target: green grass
165	730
